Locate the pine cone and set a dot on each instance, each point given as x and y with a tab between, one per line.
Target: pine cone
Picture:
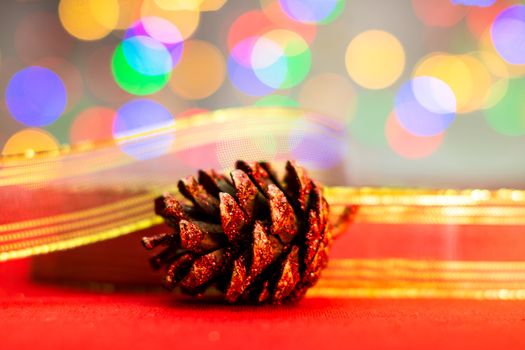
253	237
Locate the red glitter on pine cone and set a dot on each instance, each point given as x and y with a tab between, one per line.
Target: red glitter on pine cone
251	236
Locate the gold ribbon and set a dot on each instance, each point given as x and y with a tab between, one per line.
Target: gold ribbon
75	172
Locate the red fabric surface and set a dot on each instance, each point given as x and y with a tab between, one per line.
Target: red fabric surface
53	317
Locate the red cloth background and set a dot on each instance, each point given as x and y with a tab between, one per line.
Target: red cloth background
53	317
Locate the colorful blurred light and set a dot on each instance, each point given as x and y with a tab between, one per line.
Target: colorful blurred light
129	13
468	78
311	11
375	59
136	52
512	70
329	94
138	119
281	20
30	141
211	5
186	21
425	106
479	3
201	71
507	117
36	96
367	126
277	101
89	19
407	144
281	59
479	19
177	5
241	74
92	124
438	13
508	34
146	55
162	31
70	75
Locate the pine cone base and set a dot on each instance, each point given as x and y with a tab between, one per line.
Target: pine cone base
255	238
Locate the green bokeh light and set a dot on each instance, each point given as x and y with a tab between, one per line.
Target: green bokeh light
276	101
368	125
507	117
132	81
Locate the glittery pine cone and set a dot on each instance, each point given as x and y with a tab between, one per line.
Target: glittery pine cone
255	238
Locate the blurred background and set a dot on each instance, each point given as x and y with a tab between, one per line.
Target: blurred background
423	92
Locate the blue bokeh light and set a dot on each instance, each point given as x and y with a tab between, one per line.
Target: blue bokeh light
142	120
508	34
36	96
425	106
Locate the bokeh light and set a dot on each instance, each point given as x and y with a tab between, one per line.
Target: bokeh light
132	80
375	59
39	35
241	74
28	142
70	75
425	106
408	145
274	13
129	13
311	11
468	78
93	124
138	119
281	59
486	45
200	72
146	55
368	124
480	18
89	19
186	21
36	96
211	5
508	34
438	13
277	101
177	5
162	32
507	117
329	94
476	3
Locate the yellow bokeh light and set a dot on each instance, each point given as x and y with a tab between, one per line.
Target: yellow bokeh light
129	13
30	141
330	94
500	74
186	21
89	19
375	59
212	5
200	72
469	79
172	5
